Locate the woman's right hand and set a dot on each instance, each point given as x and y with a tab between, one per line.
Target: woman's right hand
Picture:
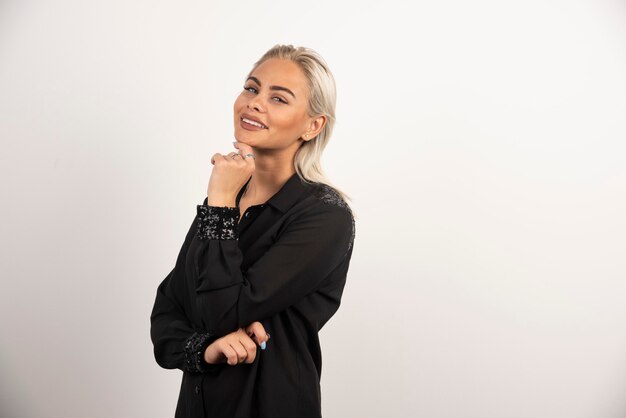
238	346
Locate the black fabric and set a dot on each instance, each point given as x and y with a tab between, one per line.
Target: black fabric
283	264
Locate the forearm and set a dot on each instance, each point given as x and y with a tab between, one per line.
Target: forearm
304	256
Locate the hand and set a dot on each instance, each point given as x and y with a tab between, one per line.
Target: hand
238	346
229	175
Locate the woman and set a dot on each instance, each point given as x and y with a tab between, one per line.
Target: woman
267	255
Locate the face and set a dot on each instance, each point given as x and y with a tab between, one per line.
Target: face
275	95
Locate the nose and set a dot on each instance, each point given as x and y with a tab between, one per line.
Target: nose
254	104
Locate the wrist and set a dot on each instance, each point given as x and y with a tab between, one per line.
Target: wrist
195	347
228	201
206	357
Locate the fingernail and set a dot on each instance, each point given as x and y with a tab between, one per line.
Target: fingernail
263	345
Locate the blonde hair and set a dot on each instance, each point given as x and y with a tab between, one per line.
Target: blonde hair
322	101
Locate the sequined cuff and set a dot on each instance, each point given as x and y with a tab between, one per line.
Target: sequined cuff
195	346
218	222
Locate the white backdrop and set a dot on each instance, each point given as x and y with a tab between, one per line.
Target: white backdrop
483	144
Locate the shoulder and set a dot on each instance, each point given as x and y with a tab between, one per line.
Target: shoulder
328	200
320	197
329	196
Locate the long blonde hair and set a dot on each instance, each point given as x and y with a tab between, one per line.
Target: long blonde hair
322	101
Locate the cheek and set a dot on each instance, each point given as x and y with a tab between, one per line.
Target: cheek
240	101
237	103
286	120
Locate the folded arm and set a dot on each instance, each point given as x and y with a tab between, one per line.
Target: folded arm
309	248
177	344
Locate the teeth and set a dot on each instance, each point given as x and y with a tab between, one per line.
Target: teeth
253	122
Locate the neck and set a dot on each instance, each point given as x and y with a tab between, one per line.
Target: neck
269	176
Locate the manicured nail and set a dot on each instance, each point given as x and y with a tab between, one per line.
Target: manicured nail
263	345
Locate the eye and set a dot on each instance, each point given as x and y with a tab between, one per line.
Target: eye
280	100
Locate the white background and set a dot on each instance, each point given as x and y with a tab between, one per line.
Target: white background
483	144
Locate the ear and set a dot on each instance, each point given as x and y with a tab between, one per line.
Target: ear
315	127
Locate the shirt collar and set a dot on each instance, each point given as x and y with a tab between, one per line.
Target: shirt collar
284	198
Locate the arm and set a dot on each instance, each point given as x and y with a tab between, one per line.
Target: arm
177	344
309	248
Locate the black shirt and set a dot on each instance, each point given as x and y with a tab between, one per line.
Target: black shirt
285	265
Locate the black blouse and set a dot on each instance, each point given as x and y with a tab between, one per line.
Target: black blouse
285	265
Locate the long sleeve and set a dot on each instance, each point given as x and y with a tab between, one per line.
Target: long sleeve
177	344
307	251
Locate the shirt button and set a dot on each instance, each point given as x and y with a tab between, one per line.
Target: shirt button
197	390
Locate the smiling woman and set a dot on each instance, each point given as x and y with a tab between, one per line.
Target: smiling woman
268	252
275	100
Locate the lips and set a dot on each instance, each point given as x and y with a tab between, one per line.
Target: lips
247	116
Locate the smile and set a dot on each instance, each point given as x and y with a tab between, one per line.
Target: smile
253	123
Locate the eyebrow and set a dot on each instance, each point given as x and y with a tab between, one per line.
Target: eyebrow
256	80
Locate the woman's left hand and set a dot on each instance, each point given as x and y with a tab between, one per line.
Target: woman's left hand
229	175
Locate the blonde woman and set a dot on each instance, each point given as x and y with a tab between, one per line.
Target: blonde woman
265	261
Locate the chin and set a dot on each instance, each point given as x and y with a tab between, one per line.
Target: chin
243	138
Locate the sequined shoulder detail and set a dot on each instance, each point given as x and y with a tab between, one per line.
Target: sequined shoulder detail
218	222
194	352
330	196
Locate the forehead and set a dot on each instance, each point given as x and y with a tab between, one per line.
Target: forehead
281	72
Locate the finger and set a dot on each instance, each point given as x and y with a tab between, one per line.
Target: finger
215	157
240	349
253	329
229	353
244	149
259	333
247	343
237	157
